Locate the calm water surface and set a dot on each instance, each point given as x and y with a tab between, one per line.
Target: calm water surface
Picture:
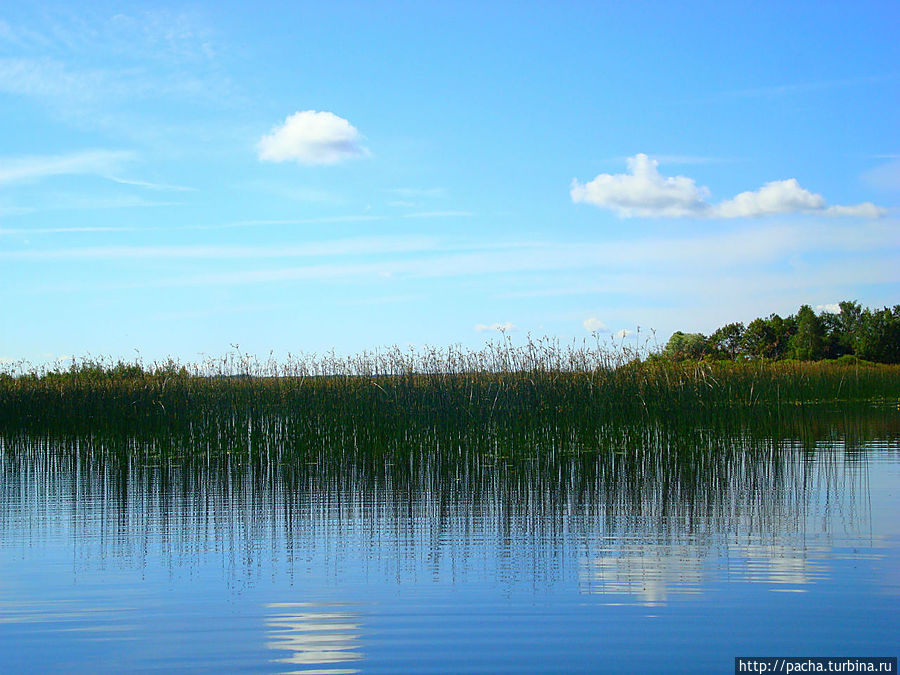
661	553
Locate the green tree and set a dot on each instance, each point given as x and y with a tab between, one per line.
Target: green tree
807	342
784	330
851	314
835	341
759	340
728	340
768	338
686	345
877	335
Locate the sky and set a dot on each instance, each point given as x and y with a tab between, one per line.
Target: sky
307	176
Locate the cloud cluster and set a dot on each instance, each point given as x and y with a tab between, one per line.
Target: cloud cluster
504	327
594	325
645	192
314	138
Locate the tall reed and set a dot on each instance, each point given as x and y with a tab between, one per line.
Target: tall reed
501	391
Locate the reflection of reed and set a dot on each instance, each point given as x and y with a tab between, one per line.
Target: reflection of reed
768	512
638	498
314	634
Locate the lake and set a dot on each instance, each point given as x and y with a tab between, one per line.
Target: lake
656	550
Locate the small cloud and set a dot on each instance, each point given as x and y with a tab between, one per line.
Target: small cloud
642	192
624	333
786	196
595	325
314	138
778	196
498	327
831	308
864	210
645	192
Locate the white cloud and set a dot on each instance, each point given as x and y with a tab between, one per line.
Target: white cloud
624	333
594	325
864	210
644	192
75	163
831	307
312	137
504	327
777	196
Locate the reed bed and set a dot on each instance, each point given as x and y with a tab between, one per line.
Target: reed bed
541	391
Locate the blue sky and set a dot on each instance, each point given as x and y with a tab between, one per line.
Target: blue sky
306	176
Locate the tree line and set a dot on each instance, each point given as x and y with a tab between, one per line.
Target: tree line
853	330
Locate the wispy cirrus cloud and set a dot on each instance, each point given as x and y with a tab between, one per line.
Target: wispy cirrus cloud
885	177
34	167
90	68
411	192
803	87
339	247
149	185
158	34
644	192
90	94
747	265
786	89
751	247
82	202
238	224
106	164
438	214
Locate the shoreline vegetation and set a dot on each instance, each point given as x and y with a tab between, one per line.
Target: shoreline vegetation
844	329
541	391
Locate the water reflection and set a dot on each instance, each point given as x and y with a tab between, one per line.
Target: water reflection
643	516
316	636
772	516
649	576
